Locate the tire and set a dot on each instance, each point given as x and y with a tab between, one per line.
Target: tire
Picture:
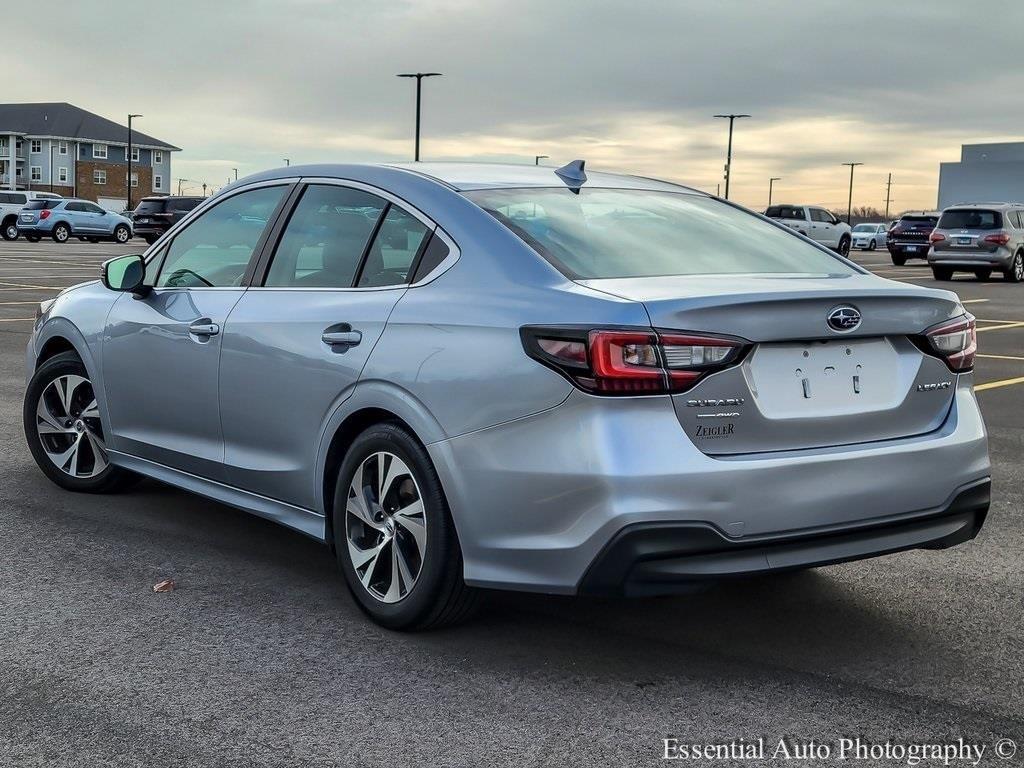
150	239
33	238
844	246
10	229
67	442
61	232
122	234
1015	273
872	245
422	544
899	261
944	274
983	274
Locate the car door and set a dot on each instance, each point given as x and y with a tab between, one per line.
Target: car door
161	352
295	345
95	220
823	228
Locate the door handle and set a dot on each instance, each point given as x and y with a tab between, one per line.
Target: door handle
204	328
341	335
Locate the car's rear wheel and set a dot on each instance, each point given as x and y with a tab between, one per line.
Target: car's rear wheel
61	233
64	430
844	246
1015	273
10	229
122	234
393	534
150	239
33	238
899	261
942	273
983	274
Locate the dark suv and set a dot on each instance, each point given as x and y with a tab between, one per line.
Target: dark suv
908	237
155	215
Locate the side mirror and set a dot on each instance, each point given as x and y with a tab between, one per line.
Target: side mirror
125	274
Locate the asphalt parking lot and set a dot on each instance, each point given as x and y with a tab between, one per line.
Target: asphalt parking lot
261	658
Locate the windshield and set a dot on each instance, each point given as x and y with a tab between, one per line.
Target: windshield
971	220
865	228
601	233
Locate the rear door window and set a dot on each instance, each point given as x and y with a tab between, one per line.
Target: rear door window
325	239
394	249
785	212
971	219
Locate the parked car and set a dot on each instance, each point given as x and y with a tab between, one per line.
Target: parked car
155	215
869	236
816	223
908	237
11	203
63	219
979	238
557	383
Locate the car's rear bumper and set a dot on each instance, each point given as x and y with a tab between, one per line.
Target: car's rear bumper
910	250
149	230
41	229
1000	259
659	558
536	500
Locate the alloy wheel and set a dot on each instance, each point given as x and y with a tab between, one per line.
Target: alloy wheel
121	235
385	527
11	231
68	424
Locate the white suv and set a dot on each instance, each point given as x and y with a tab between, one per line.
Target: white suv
816	223
11	203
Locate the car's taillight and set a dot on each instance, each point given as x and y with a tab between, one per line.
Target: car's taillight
44	214
631	362
936	237
955	341
1000	238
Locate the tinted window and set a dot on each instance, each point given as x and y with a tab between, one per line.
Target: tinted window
90	208
325	238
639	233
919	221
41	205
394	249
784	212
6	198
971	219
150	206
435	252
214	250
74	207
182	205
817	214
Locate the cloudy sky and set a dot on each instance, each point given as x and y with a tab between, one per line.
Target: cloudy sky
626	84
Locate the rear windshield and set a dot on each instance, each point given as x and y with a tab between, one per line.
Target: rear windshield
183	204
917	221
971	219
150	206
601	233
784	212
41	205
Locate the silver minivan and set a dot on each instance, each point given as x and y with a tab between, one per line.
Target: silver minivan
979	238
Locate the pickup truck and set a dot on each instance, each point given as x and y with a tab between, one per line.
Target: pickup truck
816	223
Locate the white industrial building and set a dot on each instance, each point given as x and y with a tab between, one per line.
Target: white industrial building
985	173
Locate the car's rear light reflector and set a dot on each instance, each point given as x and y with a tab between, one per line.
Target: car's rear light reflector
936	237
955	341
624	362
44	214
1002	238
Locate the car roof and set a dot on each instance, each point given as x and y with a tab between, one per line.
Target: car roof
469	176
936	214
968	206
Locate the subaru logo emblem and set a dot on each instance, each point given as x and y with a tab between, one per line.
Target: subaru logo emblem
844	318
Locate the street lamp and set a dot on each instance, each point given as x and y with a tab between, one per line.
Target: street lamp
236	173
849	200
538	158
130	118
771	181
287	161
419	86
728	156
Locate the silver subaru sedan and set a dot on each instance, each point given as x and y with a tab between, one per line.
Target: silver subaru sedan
465	376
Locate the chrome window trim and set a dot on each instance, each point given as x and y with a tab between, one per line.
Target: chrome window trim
432	227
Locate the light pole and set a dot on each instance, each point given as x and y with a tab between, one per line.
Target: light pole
538	158
236	173
419	87
888	198
728	155
129	157
849	200
771	181
287	161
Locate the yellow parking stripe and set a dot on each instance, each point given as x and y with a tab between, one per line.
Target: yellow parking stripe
17	319
1000	383
972	301
1001	357
1002	327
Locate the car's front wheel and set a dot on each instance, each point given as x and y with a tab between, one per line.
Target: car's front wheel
61	233
899	261
33	238
844	246
10	230
872	245
64	430
122	234
150	239
393	534
1015	273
